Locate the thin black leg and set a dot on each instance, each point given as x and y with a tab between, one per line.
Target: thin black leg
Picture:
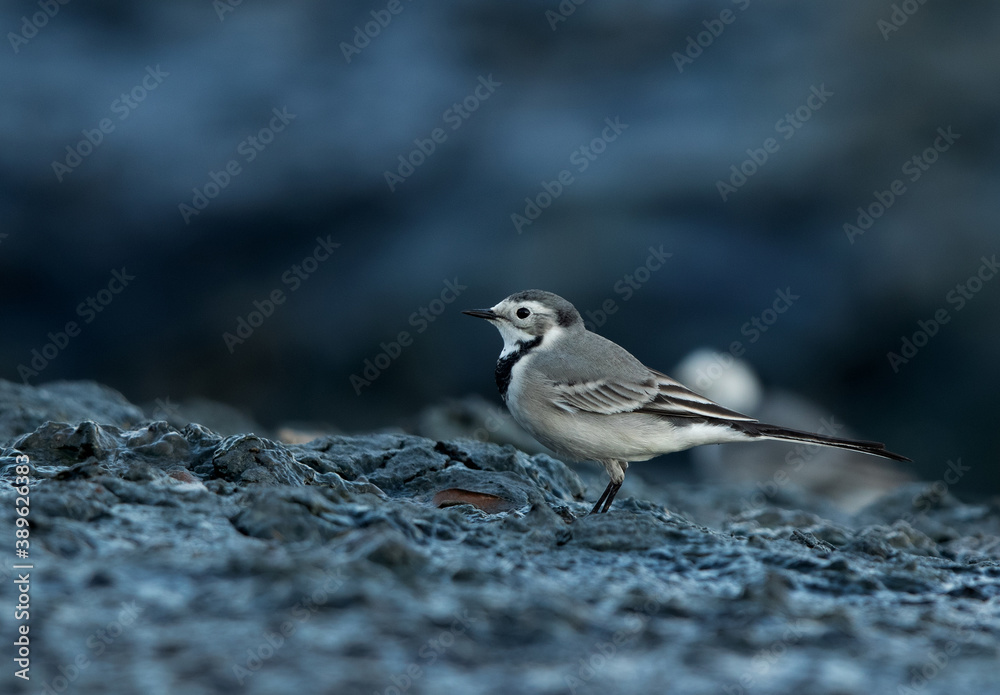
614	488
604	496
607	497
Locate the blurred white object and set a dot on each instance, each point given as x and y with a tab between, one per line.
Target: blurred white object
721	377
849	480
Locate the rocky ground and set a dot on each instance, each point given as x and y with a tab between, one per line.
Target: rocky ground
172	559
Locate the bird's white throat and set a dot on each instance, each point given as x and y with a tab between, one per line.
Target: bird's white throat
514	338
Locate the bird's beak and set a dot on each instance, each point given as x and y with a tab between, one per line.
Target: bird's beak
487	314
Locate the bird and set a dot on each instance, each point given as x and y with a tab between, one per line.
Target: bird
587	398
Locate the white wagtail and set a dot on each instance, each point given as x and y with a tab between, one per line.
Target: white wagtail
588	398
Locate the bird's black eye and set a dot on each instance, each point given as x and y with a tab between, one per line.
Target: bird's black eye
523	313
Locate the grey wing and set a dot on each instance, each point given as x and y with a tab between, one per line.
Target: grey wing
603	396
657	395
676	399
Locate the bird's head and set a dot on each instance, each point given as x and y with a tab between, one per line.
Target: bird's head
525	316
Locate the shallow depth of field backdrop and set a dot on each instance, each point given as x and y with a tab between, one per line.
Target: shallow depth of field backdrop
352	171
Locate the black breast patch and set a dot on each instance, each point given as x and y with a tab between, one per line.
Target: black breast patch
505	365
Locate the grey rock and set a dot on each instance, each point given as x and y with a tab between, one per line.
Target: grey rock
474	417
218	417
23	408
178	560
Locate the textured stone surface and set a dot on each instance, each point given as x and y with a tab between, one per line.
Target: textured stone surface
23	408
176	560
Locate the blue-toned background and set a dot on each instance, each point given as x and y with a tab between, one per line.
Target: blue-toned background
202	149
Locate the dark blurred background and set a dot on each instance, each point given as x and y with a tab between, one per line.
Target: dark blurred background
277	124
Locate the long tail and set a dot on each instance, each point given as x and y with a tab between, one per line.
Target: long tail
756	429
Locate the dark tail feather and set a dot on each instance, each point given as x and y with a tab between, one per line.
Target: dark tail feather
756	429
